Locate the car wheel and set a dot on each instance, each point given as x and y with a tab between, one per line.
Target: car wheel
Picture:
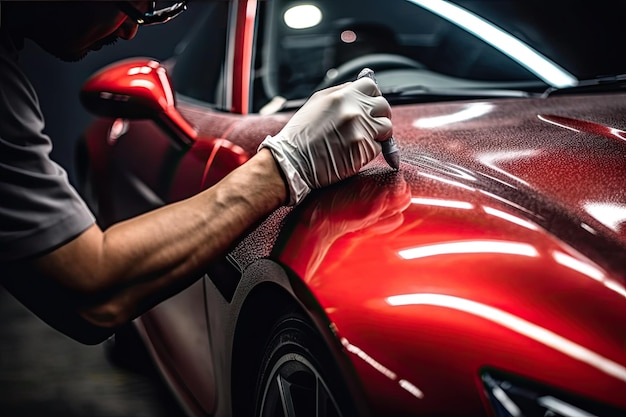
298	375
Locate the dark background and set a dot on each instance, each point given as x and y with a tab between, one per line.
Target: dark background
42	372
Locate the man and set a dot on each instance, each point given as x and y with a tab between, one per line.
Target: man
85	281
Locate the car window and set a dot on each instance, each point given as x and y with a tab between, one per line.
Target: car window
395	34
198	72
311	45
302	46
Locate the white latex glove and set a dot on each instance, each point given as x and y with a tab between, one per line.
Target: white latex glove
331	137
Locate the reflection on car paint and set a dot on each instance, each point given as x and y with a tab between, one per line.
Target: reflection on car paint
587	268
533	183
436	202
465	205
510	218
325	220
507	202
408	386
518	325
468	112
611	215
492	159
433	164
470	247
577	125
447	181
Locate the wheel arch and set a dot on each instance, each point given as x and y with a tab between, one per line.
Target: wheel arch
248	343
275	293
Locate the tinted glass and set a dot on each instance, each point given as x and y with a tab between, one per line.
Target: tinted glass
575	39
199	69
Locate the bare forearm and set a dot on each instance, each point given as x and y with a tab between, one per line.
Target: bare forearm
181	238
141	261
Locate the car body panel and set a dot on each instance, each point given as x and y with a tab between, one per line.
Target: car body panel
500	244
542	248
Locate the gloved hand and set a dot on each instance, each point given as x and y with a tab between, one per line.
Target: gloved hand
331	137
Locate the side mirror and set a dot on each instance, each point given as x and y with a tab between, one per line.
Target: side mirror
137	88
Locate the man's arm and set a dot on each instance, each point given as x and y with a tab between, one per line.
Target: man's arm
99	280
121	272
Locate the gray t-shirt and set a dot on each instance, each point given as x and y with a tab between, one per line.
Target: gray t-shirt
39	209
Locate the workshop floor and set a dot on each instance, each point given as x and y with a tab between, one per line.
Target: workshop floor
44	373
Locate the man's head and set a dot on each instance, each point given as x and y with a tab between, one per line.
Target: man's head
71	29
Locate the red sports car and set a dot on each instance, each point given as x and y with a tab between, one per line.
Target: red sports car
485	277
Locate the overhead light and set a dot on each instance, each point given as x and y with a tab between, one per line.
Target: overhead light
303	16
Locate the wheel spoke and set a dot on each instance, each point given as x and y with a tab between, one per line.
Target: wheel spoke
284	389
300	380
325	405
321	398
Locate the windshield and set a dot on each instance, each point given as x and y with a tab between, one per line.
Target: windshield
524	45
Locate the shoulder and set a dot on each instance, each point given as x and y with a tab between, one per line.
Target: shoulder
19	106
40	209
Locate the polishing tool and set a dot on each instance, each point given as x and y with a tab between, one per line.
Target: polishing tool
390	149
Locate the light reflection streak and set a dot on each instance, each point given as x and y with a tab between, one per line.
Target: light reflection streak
505	201
142	83
442	203
587	268
472	111
516	324
561	408
510	218
408	386
368	359
139	70
470	247
588	228
620	134
506	184
517	50
584	268
491	159
411	388
540	117
447	181
466	205
506	401
169	95
610	215
615	286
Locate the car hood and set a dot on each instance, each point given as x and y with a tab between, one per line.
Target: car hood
561	161
570	150
509	208
557	163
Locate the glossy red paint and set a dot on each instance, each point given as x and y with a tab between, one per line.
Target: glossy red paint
244	41
475	284
488	249
488	260
132	84
500	244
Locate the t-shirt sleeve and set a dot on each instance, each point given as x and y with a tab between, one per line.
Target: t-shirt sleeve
39	209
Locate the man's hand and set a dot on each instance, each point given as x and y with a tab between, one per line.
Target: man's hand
331	137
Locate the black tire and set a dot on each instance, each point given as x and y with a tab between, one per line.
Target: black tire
298	376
